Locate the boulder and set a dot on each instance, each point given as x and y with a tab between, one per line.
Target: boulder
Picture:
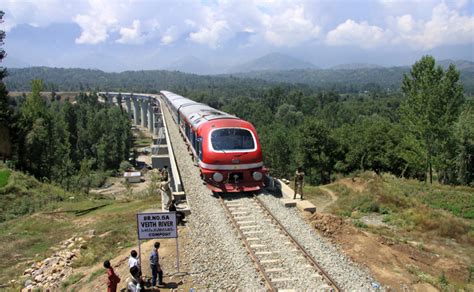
28	283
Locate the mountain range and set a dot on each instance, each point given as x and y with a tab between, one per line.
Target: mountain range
267	63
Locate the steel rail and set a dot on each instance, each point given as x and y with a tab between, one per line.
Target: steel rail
258	266
314	263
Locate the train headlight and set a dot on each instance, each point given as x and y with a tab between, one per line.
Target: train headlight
257	175
217	177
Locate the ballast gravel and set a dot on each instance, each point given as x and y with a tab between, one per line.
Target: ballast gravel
218	259
348	275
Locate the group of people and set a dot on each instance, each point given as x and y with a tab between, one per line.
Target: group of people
136	282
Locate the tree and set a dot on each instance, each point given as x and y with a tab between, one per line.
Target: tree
317	150
465	136
433	99
6	114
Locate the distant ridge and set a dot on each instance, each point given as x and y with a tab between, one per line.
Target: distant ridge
461	65
191	64
355	66
273	62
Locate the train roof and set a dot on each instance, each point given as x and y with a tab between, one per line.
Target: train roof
196	113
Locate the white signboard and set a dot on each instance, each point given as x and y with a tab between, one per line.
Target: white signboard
157	225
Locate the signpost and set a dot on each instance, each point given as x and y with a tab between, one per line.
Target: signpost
157	225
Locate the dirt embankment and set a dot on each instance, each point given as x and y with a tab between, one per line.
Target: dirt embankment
398	265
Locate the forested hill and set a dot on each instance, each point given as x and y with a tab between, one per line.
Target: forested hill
152	81
340	80
350	80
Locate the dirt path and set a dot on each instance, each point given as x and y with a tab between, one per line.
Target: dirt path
326	204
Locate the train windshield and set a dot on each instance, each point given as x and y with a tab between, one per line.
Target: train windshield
232	139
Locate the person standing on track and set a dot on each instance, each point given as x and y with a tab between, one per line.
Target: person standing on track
155	266
299	182
112	278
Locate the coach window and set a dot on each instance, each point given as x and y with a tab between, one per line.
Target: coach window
187	130
199	147
193	140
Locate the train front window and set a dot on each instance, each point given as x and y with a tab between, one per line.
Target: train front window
229	139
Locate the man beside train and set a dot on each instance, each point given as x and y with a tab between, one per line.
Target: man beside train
299	182
165	186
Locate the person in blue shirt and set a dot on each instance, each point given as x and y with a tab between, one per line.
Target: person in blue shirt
155	266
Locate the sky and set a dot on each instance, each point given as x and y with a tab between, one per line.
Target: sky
118	35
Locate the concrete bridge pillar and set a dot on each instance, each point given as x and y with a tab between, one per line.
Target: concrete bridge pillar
151	118
144	113
128	104
136	111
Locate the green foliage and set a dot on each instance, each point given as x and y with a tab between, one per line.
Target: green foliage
4	176
317	150
433	102
460	203
73	279
25	195
65	142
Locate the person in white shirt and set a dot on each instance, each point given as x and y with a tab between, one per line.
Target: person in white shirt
133	260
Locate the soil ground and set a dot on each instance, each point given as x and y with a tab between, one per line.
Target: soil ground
174	281
397	265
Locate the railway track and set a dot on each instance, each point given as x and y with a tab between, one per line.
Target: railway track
280	260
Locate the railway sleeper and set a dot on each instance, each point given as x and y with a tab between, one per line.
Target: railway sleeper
276	270
257	245
253	239
239	212
271	261
245	222
248	227
279	280
252	232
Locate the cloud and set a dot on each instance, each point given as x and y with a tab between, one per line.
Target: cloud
212	34
416	24
289	28
446	27
131	35
359	34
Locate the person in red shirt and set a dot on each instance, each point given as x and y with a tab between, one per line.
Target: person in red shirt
112	278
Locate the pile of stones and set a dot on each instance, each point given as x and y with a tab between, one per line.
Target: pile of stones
50	272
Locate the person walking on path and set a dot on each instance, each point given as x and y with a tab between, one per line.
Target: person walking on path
299	182
155	266
112	278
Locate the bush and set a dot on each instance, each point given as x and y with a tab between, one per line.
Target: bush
125	166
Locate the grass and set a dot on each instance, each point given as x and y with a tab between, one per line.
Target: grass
24	194
141	140
404	204
73	279
29	238
4	176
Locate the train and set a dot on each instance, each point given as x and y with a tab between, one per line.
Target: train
225	147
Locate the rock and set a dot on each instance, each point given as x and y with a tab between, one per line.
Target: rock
39	278
28	283
83	246
90	233
28	272
71	245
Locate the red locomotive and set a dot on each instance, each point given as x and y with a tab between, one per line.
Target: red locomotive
226	148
